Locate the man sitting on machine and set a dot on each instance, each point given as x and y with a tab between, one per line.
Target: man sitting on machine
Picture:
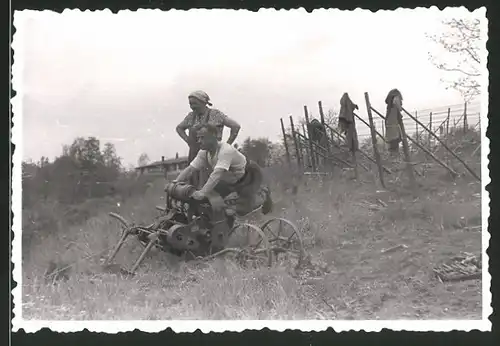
232	173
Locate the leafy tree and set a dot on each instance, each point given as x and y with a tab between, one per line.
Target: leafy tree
65	173
44	161
332	118
110	157
458	53
277	153
257	150
29	173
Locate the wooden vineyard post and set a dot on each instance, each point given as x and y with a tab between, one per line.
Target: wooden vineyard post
302	149
430	127
416	126
284	141
465	117
374	140
420	146
325	134
448	123
406	150
306	147
382	127
295	142
311	149
428	152
446	136
353	149
446	147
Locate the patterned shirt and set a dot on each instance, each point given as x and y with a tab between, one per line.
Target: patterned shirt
211	116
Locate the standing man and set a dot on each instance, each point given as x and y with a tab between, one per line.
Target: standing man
201	114
231	172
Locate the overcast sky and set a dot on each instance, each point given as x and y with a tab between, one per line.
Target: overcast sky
125	77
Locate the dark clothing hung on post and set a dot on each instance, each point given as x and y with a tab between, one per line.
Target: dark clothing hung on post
394	101
347	122
316	130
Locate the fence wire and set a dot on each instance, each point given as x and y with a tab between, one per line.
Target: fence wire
438	120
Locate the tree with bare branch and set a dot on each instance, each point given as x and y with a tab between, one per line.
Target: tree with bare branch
458	53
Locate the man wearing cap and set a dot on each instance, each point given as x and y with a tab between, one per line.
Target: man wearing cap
201	114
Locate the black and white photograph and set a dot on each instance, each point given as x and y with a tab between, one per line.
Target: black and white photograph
277	169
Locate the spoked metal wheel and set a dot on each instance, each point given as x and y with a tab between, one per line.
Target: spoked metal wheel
248	244
285	241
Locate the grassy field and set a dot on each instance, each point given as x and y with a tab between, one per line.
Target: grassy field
347	225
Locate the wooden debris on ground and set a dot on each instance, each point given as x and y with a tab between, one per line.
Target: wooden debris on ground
371	206
395	248
459	268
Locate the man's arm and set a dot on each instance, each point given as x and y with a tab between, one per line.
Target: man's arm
235	129
185	174
223	164
212	181
197	164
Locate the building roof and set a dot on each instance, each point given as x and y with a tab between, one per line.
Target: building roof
180	159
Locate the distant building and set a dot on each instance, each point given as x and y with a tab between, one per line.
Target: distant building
164	167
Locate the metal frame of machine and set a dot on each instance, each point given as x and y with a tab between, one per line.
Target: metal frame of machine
194	229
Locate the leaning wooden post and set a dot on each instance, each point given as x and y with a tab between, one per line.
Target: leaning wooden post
302	148
430	127
322	149
421	146
322	116
465	117
446	147
311	148
353	149
406	150
305	147
428	152
295	142
416	125
447	134
448	122
284	141
374	140
475	150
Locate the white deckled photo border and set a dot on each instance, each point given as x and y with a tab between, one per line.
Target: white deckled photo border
206	326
